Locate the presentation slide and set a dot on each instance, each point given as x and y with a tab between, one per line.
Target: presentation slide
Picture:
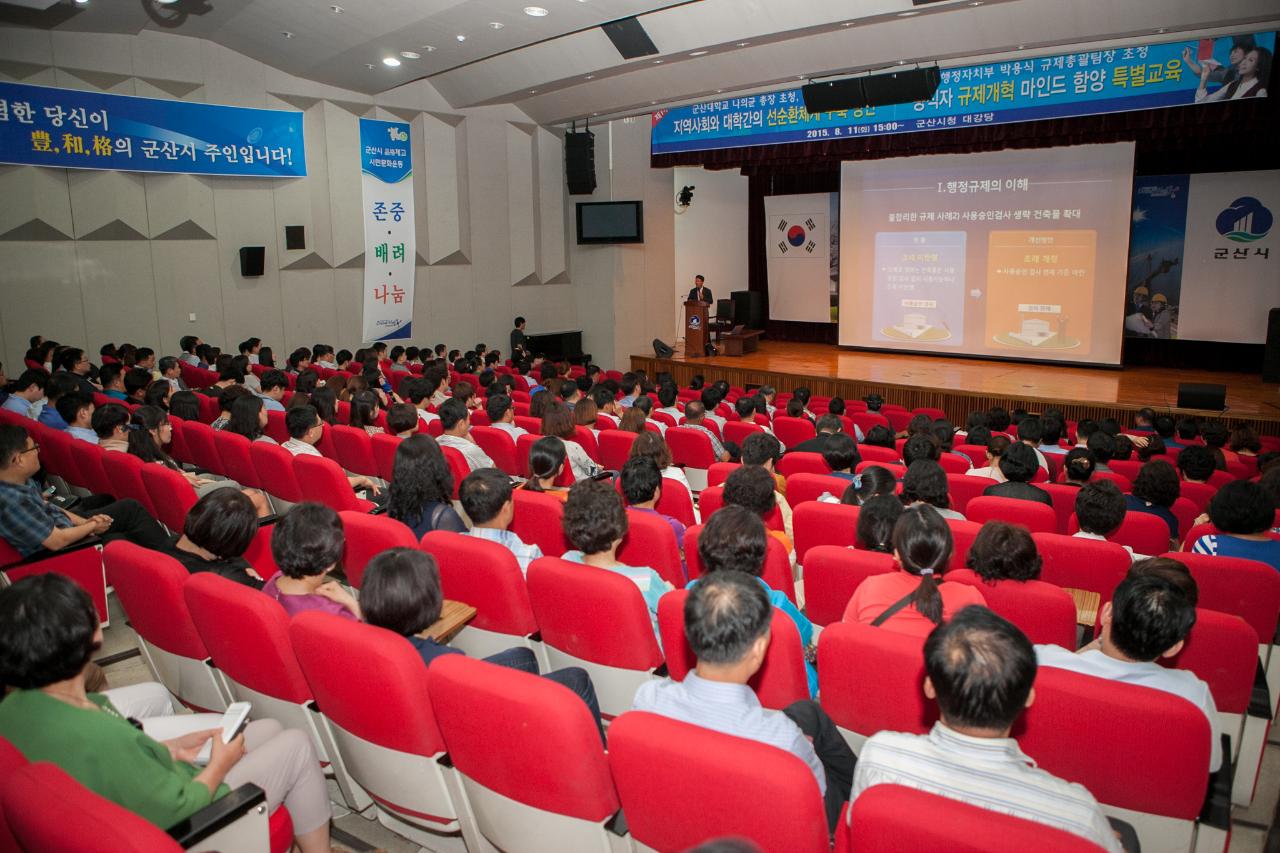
1011	254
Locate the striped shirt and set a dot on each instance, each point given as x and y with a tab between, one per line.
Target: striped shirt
524	554
991	773
731	709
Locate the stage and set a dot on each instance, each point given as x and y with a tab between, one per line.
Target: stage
960	385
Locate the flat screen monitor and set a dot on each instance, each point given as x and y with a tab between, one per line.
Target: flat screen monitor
610	222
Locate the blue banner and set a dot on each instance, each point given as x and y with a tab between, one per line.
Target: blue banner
386	182
44	126
1138	77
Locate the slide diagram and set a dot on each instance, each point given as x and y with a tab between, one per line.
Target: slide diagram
919	287
1040	289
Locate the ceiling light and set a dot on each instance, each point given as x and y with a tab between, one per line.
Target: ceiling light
848	24
533	91
82	2
286	33
390	61
907	14
1021	46
369	65
166	2
700	53
589	77
496	25
743	43
653	103
427	48
409	54
460	38
902	62
719	91
657	62
337	10
976	3
1163	30
536	11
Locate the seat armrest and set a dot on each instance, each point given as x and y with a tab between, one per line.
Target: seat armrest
1216	811
218	815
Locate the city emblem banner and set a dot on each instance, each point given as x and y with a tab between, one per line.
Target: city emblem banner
70	129
386	178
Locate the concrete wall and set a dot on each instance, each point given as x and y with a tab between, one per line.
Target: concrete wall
88	257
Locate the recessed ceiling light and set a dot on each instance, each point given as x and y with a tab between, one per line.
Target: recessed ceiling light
657	62
743	43
427	48
536	11
460	37
390	61
719	91
82	2
1163	30
653	103
166	2
902	62
286	33
589	77
369	65
496	25
700	53
337	10
976	3
533	91
847	24
1021	46
409	54
907	14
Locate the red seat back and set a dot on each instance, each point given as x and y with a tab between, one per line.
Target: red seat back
872	453
832	573
81	565
737	431
872	680
650	541
1141	531
247	635
1064	504
615	448
384	447
587	440
322	479
806	487
815	523
538	521
1198	493
1082	563
553	760
500	446
274	466
210	408
276	426
671	781
171	495
388	704
149	585
803	463
793	431
962	488
1044	612
887	819
58	456
781	679
690	447
458	466
1222	651
1032	515
178	448
954	463
92	467
865	421
355	453
720	471
777	562
204	453
676	502
1246	588
125	472
898	470
367	536
233	450
962	535
593	614
485	575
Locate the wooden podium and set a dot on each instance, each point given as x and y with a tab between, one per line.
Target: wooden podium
695	329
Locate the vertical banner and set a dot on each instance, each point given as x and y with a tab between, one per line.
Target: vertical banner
386	178
799	235
1156	248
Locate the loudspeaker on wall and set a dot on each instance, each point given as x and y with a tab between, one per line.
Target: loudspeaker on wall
253	260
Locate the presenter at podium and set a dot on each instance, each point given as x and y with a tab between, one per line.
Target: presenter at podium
700	292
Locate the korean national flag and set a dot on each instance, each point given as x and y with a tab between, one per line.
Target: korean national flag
798	235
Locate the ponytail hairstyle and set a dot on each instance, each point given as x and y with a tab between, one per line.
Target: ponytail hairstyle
922	541
144	421
546	458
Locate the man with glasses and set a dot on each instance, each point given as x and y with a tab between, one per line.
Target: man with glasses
75	362
30	523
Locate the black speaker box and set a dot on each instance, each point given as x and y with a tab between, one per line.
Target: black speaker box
1196	395
661	349
580	162
295	237
748	308
253	260
878	90
629	37
1271	355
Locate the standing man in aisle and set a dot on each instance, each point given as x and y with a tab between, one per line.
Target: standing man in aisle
519	339
700	292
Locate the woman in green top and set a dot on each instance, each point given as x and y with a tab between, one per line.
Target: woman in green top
48	633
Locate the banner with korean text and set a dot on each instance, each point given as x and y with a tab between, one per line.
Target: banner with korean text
70	129
386	177
1087	82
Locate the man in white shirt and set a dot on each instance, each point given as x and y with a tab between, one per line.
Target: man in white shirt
455	418
417	390
1147	618
727	618
981	670
1100	510
305	429
77	410
503	416
606	405
274	384
1030	431
486	498
667	396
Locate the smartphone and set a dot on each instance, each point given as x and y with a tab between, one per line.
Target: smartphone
234	720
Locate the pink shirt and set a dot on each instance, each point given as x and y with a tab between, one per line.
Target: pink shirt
295	604
878	593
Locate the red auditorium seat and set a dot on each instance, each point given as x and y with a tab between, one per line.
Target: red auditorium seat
598	620
691	450
803	463
676	502
879	455
1064	503
204	453
793	431
367	536
615	448
887	819
865	421
671	782
542	785
276	426
802	488
737	431
125	471
897	469
355	453
815	523
322	479
81	563
1044	612
149	586
170	493
777	563
962	535
384	447
1086	564
587	441
650	541
1032	515
485	575
237	464
381	722
247	635
832	574
538	521
1198	493
781	679
720	471
712	498
962	488
1143	532
274	466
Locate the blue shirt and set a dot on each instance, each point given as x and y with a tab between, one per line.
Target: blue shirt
1225	545
26	518
116	395
430	649
524	554
83	434
271	405
49	417
1136	504
650	583
14	403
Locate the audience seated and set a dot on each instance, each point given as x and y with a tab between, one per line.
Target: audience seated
26	394
486	499
1243	513
1031	433
306	544
502	415
641	485
111	424
654	446
76	410
996	445
1148	618
557	421
877	518
1154	491
1017	466
1195	463
421	491
249	418
981	670
926	483
29	523
1078	467
874	481
695	414
594	524
218	531
49	631
827	426
841	456
455	419
1100	510
1004	552
727	618
913	600
402	420
752	487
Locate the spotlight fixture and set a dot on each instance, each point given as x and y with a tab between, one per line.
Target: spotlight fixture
427	48
536	11
337	10
496	25
684	198
390	61
409	54
699	53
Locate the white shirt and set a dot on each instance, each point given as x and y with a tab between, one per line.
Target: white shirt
427	417
673	411
1081	534
990	773
1179	682
732	709
992	471
720	422
674	473
300	448
511	429
617	421
476	458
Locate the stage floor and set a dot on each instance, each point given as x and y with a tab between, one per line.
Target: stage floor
959	385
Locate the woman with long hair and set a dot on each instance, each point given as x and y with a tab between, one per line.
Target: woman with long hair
654	446
875	480
547	459
1253	72
421	492
249	418
150	431
325	401
557	421
633	421
913	600
364	412
158	394
185	405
